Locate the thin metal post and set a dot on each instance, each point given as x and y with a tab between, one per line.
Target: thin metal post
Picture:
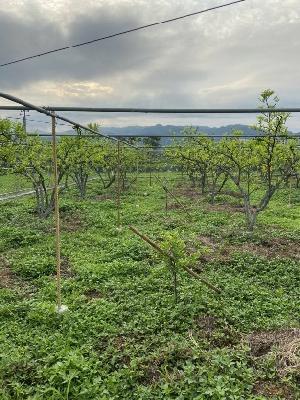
24	120
56	216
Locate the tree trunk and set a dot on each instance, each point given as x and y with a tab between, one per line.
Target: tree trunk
251	220
44	201
81	179
192	179
250	214
203	182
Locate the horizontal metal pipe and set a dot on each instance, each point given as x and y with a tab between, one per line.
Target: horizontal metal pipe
157	110
209	136
50	113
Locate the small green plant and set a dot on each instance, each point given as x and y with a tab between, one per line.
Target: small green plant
176	256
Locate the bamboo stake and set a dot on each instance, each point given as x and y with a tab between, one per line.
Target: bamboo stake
118	189
171	257
166	205
290	193
137	173
56	216
150	167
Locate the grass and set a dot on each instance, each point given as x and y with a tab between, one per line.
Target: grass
11	183
124	337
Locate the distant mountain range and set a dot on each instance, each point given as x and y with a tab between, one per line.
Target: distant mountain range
162	130
172	130
165	130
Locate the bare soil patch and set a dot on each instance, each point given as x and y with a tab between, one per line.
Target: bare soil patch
224	207
154	367
207	324
275	247
187	192
105	196
66	267
215	250
285	345
288	358
7	278
93	294
174	206
72	223
262	342
208	241
214	331
271	390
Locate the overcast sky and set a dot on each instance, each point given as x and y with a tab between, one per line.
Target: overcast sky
224	58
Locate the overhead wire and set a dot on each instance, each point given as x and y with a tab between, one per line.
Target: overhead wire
122	33
33	120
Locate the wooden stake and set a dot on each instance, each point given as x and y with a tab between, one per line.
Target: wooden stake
166	205
137	171
118	189
56	216
150	168
290	193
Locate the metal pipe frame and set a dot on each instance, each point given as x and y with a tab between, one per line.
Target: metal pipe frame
28	107
121	137
51	113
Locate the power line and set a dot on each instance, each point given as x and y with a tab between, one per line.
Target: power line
33	120
122	33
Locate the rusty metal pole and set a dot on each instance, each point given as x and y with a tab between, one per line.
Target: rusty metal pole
118	188
56	217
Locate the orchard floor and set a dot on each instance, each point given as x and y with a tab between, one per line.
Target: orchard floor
123	336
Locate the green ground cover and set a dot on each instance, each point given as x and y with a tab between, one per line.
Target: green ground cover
124	337
11	183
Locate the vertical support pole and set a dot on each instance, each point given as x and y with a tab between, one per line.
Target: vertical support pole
290	192
137	172
118	188
150	168
56	216
166	206
24	120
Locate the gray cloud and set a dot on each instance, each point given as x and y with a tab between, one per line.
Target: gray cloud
221	59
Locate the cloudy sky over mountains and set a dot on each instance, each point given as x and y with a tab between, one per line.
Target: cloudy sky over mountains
219	59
